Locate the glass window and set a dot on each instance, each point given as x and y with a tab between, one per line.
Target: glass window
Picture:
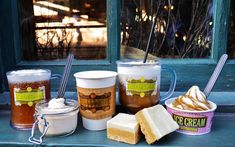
50	29
183	28
128	22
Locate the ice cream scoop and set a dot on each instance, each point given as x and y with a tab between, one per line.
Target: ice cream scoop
194	99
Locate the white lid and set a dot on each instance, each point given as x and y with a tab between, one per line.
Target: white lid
95	79
95	74
95	125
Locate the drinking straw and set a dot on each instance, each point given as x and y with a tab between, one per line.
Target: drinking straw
149	39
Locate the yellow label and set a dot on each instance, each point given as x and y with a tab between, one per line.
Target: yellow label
140	87
142	94
188	129
29	96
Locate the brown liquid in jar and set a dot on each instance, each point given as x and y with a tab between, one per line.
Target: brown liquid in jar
134	103
22	116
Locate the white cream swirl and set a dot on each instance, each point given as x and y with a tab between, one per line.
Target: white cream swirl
56	103
193	100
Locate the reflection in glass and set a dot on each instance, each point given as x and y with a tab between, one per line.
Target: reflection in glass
183	28
53	28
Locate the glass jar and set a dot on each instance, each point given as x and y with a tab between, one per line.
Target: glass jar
54	122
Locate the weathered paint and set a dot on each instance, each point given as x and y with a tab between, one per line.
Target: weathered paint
223	124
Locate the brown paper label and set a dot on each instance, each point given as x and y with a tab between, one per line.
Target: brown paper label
96	103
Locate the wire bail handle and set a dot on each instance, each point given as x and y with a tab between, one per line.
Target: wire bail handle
32	138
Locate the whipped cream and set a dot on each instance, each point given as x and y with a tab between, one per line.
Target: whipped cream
126	73
194	100
28	75
61	116
56	103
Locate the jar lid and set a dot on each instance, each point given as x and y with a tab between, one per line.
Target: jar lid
70	105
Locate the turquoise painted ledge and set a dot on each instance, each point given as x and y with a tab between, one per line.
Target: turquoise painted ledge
222	134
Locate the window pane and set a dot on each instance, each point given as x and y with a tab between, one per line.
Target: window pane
52	28
231	37
183	28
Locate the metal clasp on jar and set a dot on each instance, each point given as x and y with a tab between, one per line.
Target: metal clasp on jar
32	138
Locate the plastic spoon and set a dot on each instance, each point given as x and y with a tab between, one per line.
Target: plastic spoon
215	75
65	77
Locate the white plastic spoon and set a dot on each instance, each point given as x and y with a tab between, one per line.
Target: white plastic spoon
215	75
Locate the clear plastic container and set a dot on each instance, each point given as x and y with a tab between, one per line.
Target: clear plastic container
139	83
27	87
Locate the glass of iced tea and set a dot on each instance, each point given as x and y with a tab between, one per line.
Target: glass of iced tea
139	83
27	87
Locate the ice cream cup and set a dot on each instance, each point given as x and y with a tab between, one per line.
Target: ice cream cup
192	122
96	97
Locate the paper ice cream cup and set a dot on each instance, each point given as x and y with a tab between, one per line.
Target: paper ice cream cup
192	122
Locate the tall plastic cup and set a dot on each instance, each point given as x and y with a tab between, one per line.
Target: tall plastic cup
139	84
27	87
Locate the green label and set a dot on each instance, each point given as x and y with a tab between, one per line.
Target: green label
29	96
140	87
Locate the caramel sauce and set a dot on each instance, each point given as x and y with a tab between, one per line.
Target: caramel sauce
134	103
22	115
194	106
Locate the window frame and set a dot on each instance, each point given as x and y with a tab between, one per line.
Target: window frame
15	62
189	71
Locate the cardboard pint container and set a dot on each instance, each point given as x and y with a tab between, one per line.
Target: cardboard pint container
192	122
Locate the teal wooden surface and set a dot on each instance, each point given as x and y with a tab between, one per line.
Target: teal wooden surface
221	13
1	67
6	28
113	24
16	40
222	134
190	71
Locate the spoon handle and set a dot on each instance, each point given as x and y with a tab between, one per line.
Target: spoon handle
215	75
65	77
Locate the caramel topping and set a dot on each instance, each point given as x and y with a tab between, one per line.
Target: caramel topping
193	100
